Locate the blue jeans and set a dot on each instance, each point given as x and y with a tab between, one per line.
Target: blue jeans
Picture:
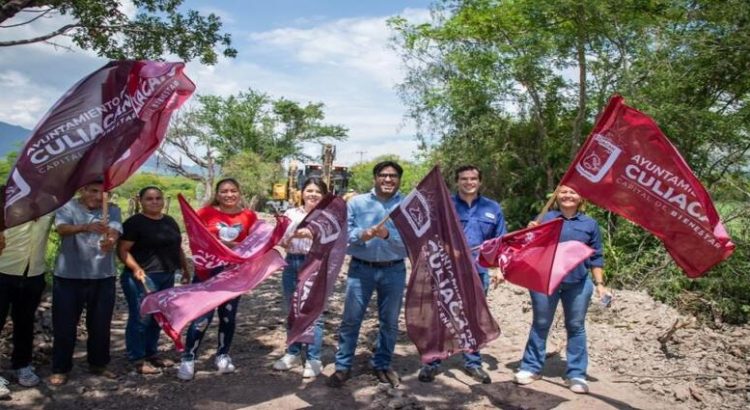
389	283
227	323
289	284
472	360
142	332
575	301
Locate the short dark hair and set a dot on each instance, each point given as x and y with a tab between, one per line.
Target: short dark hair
385	164
318	183
468	167
148	188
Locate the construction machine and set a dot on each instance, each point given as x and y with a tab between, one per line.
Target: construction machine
289	194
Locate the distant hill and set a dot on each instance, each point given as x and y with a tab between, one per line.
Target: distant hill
12	137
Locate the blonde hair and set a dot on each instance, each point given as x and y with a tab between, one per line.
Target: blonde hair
581	205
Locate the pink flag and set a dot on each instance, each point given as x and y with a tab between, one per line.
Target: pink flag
106	125
628	166
446	311
317	275
179	306
533	257
171	90
209	252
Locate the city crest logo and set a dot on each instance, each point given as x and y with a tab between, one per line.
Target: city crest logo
598	158
327	225
416	209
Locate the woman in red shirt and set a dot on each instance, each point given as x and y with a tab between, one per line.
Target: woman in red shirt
230	221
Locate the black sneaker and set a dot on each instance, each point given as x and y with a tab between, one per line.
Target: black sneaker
478	374
388	376
338	379
427	373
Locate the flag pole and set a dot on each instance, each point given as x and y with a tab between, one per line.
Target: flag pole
382	222
549	203
105	207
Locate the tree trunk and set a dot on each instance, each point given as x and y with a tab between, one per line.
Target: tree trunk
575	137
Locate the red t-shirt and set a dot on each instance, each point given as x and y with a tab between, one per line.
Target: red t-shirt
228	227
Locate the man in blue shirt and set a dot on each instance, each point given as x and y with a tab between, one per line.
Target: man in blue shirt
377	265
482	219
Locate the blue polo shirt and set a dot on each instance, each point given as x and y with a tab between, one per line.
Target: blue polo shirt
581	228
483	219
365	211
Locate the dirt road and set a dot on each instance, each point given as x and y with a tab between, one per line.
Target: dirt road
629	367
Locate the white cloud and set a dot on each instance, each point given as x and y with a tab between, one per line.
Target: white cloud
359	44
345	64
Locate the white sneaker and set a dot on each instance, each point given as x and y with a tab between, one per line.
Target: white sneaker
525	377
578	385
312	368
287	362
27	377
224	364
186	370
4	390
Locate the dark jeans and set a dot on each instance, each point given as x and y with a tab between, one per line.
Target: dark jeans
142	332
20	295
198	327
69	298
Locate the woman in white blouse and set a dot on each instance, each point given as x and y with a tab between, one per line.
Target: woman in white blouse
298	243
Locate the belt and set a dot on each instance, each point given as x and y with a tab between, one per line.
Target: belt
378	264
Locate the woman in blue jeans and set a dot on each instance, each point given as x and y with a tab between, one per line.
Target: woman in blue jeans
298	243
151	249
575	293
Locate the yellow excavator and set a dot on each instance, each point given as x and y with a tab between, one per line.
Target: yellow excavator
288	195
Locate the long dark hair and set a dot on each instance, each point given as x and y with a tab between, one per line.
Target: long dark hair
318	183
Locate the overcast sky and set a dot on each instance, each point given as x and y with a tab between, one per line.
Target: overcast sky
334	52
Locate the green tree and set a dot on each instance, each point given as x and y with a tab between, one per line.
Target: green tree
513	87
255	175
6	164
362	178
274	129
157	30
218	129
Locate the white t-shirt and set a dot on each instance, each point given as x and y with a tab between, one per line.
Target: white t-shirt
298	246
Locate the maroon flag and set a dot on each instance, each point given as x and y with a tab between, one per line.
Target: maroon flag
106	125
174	308
628	166
446	311
209	252
317	275
533	257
